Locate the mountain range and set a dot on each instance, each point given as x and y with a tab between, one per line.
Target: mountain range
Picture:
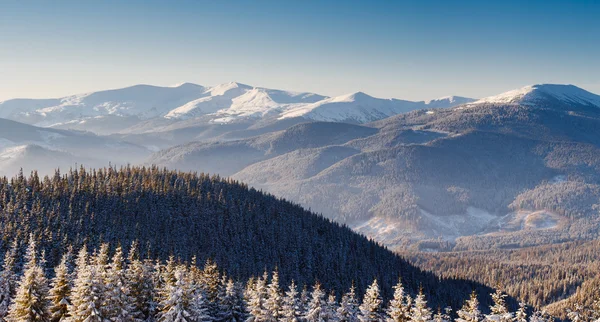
511	170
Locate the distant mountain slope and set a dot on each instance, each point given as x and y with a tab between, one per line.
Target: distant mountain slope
147	109
228	157
181	214
29	147
468	175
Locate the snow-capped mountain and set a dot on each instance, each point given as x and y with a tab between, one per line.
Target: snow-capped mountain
536	94
141	101
362	108
111	111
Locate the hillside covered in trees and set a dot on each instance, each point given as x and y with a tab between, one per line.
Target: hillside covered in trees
188	216
122	287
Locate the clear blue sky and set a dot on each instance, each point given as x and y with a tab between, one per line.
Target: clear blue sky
405	49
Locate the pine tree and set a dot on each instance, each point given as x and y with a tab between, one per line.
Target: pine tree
141	284
470	311
60	293
119	304
231	304
348	310
291	310
257	295
31	301
180	303
304	301
420	312
521	315
88	292
316	305
7	280
398	309
210	282
443	316
330	310
273	304
499	311
371	308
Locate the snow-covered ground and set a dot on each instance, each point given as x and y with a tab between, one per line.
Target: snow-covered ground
223	103
529	95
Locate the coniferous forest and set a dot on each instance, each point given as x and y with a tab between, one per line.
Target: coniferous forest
149	244
113	286
188	216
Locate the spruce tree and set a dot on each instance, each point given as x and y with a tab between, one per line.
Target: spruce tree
291	305
330	309
31	301
316	305
60	293
443	316
119	305
420	312
371	308
521	315
231	304
88	292
180	304
470	311
256	298
399	309
499	312
348	310
7	280
273	304
140	281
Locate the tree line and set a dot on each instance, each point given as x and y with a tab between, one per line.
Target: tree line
100	286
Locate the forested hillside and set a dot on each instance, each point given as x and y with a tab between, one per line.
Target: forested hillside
555	277
187	215
119	286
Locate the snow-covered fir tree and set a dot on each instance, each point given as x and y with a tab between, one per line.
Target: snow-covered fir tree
180	303
443	316
330	309
399	308
419	311
316	305
119	305
140	279
231	303
348	310
31	300
499	311
209	283
470	311
256	297
8	280
521	315
273	304
88	292
60	293
304	301
371	309
291	307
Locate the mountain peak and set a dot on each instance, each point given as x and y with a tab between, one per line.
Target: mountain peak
532	94
221	89
352	97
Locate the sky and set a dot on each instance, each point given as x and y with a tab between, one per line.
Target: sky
415	50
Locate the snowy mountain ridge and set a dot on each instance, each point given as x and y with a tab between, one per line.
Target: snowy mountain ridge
532	94
224	103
